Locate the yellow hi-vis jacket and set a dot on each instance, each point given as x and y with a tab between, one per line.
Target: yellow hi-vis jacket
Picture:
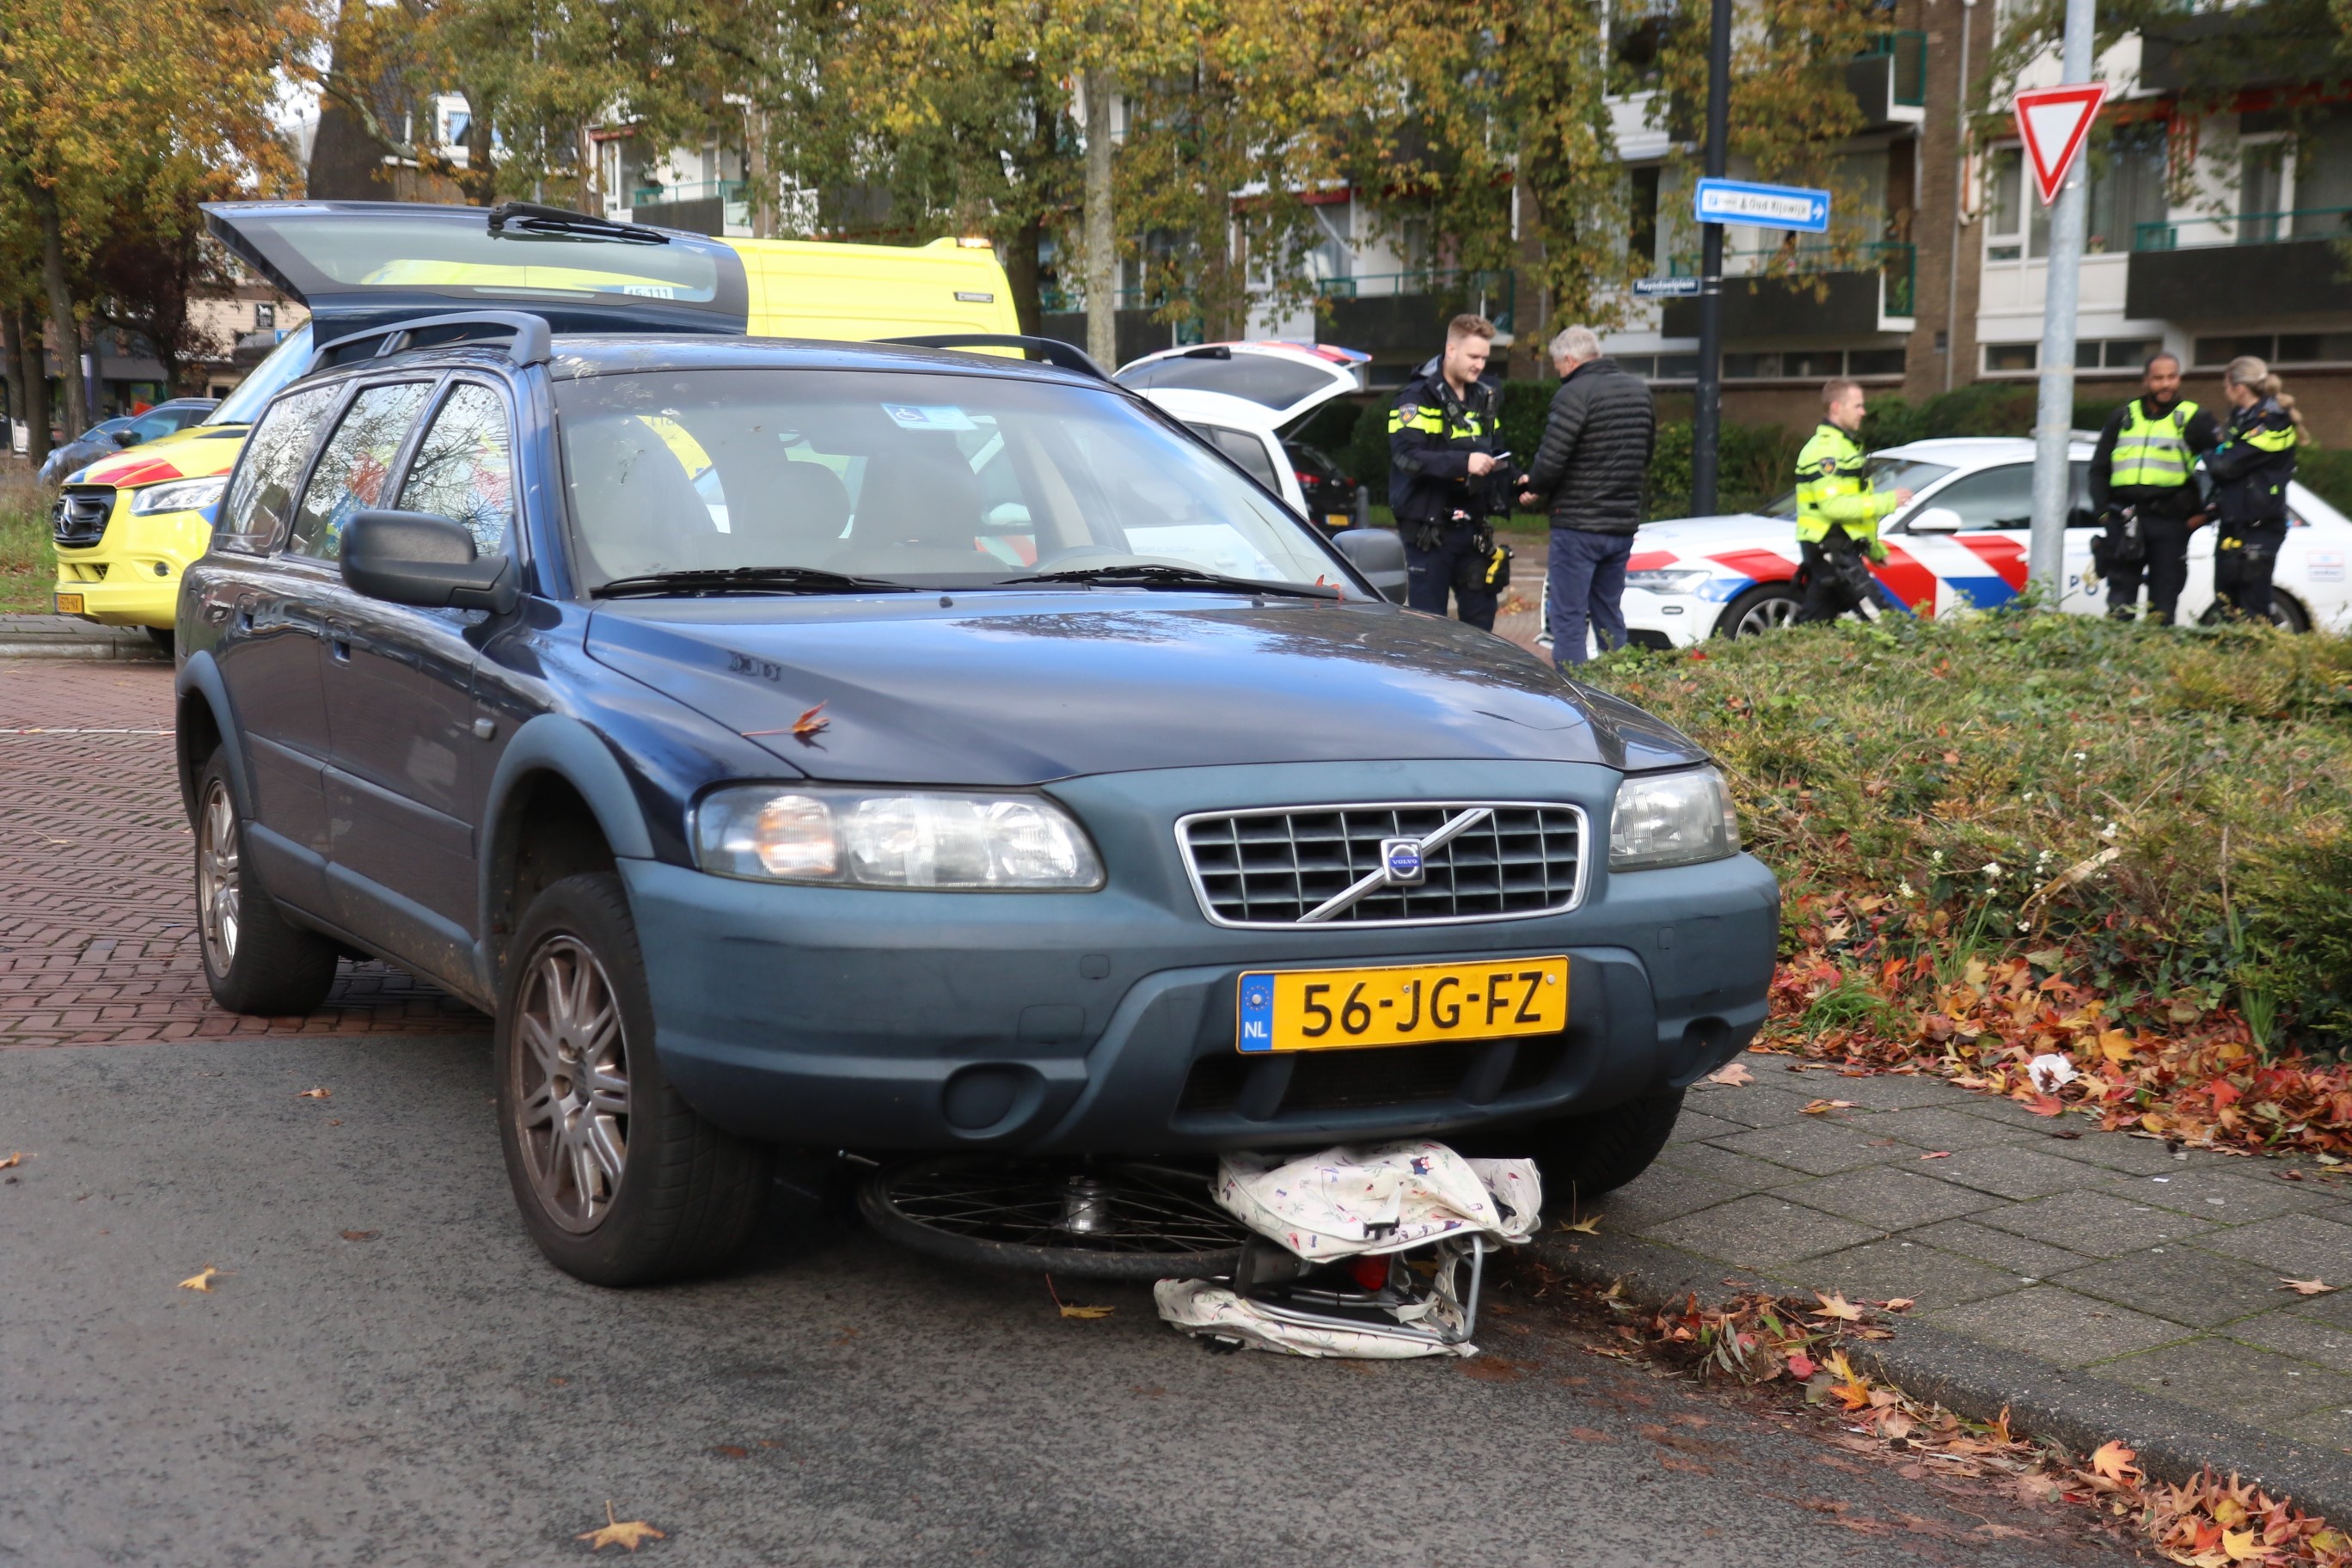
1832	492
2153	453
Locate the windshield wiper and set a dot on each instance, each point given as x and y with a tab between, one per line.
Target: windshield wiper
530	217
1147	574
746	579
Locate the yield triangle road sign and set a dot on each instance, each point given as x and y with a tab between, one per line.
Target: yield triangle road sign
2054	121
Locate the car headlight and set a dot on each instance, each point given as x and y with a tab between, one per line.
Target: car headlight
895	839
1689	580
184	495
1672	820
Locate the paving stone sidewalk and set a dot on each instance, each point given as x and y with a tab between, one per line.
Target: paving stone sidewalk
2103	1252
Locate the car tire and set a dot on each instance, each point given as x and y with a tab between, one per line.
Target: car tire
1766	606
620	1182
1582	1157
256	961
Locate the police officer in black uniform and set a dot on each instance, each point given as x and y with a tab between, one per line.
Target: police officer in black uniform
1443	477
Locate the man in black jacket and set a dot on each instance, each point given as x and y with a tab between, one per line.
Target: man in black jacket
1443	480
1590	473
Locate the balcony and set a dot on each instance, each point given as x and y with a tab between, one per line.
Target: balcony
701	206
2250	264
1889	79
1404	314
1839	298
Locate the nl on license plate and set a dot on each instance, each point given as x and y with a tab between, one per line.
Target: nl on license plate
70	603
1346	1009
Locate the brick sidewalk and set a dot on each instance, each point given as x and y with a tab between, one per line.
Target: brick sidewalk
97	940
2103	1251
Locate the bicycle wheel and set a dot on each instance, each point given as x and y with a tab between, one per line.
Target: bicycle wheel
1088	1219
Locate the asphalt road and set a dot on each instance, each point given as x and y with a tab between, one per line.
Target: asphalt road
436	1393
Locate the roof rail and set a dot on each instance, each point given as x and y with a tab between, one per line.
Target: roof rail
529	338
1053	350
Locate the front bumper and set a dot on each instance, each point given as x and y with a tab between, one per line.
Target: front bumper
1105	1022
130	578
1672	620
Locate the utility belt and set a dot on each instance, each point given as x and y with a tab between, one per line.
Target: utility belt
1484	568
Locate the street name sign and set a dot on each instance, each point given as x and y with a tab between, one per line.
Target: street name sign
1797	208
1665	287
2054	121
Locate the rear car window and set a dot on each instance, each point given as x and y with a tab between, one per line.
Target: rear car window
464	469
351	470
916	479
261	496
1261	378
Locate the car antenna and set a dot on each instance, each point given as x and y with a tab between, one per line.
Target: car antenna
533	218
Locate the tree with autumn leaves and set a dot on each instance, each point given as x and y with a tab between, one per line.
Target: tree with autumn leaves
116	119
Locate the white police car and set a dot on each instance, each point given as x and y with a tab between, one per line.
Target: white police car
1962	540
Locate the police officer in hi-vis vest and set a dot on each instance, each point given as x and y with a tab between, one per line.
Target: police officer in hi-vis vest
2141	465
2248	474
1837	512
1443	477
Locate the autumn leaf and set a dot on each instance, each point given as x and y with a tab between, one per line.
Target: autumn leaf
1071	1309
361	1234
1589	1226
1853	1389
615	1531
1898	1303
203	1281
2112	1462
1821	1107
812	722
12	1161
2046	1105
1835	1305
2307	1287
1937	1155
316	1094
1732	1075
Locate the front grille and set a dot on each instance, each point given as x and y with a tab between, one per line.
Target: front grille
79	519
1273	868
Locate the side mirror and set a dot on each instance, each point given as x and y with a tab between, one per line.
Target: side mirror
126	437
1379	554
1935	519
417	558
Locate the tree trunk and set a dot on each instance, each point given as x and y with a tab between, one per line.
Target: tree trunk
591	197
346	158
1021	276
27	367
1101	242
758	176
11	347
66	339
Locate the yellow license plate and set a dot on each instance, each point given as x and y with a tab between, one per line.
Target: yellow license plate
1347	1009
70	603
1339	520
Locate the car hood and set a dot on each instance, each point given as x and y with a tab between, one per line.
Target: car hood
1701	532
1005	688
198	452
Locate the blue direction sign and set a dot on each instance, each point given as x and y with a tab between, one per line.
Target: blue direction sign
1795	207
1665	287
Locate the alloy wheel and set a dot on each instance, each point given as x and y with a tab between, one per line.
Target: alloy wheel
219	883
1765	615
570	1093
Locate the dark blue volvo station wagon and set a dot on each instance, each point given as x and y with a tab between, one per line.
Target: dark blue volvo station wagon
926	756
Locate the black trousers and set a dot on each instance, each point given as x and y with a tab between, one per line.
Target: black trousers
1432	574
2244	559
1829	590
2166	571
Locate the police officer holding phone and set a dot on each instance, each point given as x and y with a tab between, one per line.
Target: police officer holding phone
1445	472
2141	494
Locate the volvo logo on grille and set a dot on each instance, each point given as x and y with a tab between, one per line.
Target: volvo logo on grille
1402	859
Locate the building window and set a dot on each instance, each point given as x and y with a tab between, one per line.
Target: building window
2007	359
1873	361
2128	173
1642	230
2282	348
2118	353
1790	365
264	317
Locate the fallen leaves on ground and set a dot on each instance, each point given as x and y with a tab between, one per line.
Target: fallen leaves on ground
1732	1075
615	1531
1937	1155
1071	1309
1758	1337
2307	1287
1823	1107
12	1161
1589	1226
316	1094
202	1279
362	1234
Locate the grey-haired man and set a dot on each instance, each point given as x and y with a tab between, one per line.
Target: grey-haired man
1590	473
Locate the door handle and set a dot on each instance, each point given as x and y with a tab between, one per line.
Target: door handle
245	612
339	641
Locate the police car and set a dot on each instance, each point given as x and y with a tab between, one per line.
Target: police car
1962	541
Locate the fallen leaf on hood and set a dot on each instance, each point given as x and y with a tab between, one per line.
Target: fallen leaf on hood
203	1281
316	1094
1732	1075
1835	1305
629	1532
2308	1287
1820	1107
1589	1226
1937	1155
810	722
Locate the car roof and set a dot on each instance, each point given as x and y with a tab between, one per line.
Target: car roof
1975	451
580	356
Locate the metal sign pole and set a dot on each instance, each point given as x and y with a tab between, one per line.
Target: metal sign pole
2055	414
1707	411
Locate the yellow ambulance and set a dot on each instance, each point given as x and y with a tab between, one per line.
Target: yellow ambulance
126	526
